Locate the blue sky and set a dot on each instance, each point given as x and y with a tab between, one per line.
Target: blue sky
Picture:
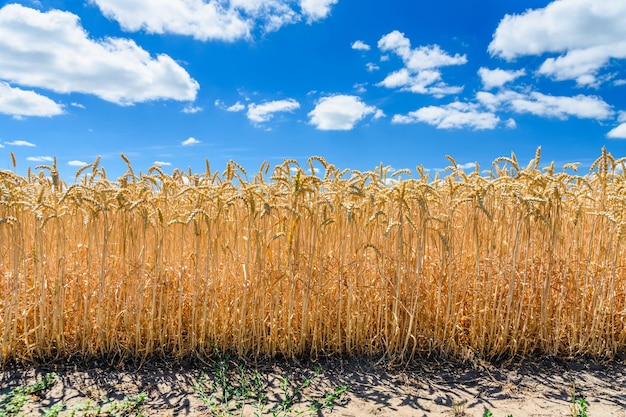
402	82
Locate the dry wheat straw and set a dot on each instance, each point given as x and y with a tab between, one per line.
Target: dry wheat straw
515	261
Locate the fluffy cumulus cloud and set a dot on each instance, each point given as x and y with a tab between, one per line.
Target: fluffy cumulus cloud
420	73
498	77
511	124
211	20
316	9
260	113
360	46
237	107
455	115
52	51
17	102
190	141
341	112
586	35
617	133
620	131
544	105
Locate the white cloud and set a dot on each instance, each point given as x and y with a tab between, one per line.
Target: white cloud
585	33
399	78
40	159
498	77
162	163
21	143
379	114
260	113
511	124
76	163
340	112
468	165
195	18
211	20
424	82
560	107
581	106
617	133
17	102
78	105
316	9
423	57
421	66
371	67
189	109
237	107
360	87
494	102
583	65
455	115
190	141
51	50
360	46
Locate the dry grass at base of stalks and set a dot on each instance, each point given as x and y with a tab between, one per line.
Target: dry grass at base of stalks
493	264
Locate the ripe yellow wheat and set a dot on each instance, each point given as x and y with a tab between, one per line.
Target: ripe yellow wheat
510	261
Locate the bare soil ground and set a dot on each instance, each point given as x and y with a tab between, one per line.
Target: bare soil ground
543	387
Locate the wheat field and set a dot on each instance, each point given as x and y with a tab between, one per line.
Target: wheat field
497	263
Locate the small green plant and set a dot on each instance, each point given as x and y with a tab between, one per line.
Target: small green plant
488	413
13	403
86	409
46	382
15	400
258	391
580	407
329	399
220	394
53	411
291	392
129	406
579	404
226	391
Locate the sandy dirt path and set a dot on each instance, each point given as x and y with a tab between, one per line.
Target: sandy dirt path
427	388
